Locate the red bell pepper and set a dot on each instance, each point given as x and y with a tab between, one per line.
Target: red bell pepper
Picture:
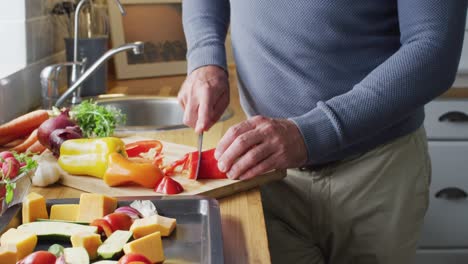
169	186
103	226
169	170
208	166
136	148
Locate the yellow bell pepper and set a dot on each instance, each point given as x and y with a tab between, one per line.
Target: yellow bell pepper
89	156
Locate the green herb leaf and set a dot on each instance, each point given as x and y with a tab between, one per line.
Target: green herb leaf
26	158
10	191
96	120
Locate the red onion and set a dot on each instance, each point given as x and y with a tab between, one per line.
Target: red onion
46	128
132	212
58	136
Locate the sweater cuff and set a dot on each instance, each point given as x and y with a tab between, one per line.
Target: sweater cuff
320	131
207	55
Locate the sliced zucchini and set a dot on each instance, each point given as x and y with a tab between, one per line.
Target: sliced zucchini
60	221
113	246
56	249
76	255
56	230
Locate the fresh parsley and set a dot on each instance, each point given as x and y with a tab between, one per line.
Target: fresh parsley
96	120
30	163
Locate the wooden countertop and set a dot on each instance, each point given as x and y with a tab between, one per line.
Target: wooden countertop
243	225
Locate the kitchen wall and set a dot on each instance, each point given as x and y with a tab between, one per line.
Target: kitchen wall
21	91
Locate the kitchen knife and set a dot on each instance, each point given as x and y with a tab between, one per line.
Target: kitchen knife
200	144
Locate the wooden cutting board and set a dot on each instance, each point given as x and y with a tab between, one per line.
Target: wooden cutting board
211	188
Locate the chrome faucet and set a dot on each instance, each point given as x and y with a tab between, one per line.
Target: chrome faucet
75	72
49	82
136	47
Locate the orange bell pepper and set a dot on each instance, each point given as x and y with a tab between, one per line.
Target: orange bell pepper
122	171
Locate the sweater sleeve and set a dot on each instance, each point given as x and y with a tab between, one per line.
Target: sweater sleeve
424	67
205	26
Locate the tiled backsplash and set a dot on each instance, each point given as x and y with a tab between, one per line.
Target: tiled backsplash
21	91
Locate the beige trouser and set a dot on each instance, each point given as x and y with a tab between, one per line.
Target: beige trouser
364	210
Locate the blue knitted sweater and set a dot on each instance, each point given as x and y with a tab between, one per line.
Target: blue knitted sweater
351	74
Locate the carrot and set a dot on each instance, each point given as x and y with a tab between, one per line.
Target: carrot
7	139
23	125
36	148
27	143
14	143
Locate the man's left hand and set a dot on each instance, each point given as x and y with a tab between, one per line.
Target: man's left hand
259	145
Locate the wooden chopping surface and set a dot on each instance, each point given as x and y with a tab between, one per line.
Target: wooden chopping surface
211	188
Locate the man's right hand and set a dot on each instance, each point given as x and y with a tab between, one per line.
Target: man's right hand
204	96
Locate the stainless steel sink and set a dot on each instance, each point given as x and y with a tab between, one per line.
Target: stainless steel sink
149	113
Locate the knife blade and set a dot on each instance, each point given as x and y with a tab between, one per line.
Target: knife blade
200	144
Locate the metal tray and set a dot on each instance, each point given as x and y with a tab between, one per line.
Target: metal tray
196	239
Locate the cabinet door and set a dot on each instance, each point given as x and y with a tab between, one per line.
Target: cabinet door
446	221
447	120
444	256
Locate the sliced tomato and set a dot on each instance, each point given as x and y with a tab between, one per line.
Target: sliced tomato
208	166
169	186
119	221
136	148
39	257
103	226
134	258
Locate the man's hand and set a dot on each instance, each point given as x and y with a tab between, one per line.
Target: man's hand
204	96
259	145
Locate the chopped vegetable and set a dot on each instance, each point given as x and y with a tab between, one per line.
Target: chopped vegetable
23	125
119	221
149	246
169	170
132	212
56	249
121	171
103	227
28	161
76	255
88	241
10	171
36	148
145	148
145	207
89	156
113	246
10	167
48	171
208	166
169	186
32	138
23	241
39	257
62	121
55	230
95	206
34	207
134	258
155	223
96	120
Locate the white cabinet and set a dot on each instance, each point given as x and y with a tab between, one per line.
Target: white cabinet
444	236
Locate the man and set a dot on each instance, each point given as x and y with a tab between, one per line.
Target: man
335	92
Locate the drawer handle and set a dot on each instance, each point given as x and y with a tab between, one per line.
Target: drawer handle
451	193
454	116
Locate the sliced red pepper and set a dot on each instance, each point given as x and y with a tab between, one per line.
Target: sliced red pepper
136	148
208	166
103	226
169	186
169	170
